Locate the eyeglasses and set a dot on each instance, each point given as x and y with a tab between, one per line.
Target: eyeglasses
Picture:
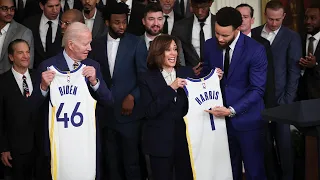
64	23
6	8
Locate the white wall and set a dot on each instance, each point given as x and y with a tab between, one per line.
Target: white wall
256	4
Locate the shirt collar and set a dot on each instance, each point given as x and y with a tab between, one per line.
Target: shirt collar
206	22
93	17
166	74
171	14
316	36
233	44
5	28
264	30
17	75
69	61
45	20
109	38
249	35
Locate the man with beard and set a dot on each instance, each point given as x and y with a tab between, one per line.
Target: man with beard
153	23
9	31
122	57
194	31
244	63
309	87
93	18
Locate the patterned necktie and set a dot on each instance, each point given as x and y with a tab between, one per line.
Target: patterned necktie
25	87
310	46
75	65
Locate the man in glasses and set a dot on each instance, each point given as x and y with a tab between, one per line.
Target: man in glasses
70	16
9	31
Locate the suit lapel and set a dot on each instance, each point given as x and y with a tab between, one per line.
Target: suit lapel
277	40
120	55
37	40
189	37
237	54
96	24
10	33
13	83
61	63
213	21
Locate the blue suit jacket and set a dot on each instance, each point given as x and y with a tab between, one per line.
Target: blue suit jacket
245	84
130	60
161	112
286	50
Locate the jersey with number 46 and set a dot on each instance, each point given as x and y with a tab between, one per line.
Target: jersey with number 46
72	127
206	134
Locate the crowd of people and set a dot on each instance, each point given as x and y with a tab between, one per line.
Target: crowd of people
137	56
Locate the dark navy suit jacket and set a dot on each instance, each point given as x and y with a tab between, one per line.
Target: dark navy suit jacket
245	84
160	110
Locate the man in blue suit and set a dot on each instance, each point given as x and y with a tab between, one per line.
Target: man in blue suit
244	63
286	50
76	42
121	56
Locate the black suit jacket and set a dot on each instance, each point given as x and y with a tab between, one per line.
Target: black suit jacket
161	111
183	30
31	8
18	115
39	52
309	84
270	91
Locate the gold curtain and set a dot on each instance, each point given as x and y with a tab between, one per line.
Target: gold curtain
263	5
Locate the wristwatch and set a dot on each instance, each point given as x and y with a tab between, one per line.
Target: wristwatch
232	112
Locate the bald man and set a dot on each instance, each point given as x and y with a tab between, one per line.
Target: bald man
70	16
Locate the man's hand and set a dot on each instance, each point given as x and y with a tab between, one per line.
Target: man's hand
127	105
308	62
219	111
219	72
46	79
90	73
197	69
5	158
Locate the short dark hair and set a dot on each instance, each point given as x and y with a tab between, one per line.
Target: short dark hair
200	1
229	16
157	49
315	6
274	5
13	43
44	2
246	5
115	8
152	7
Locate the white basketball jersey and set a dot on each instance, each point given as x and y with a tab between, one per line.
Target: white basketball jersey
72	127
206	134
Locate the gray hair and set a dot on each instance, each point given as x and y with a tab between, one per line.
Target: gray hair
73	32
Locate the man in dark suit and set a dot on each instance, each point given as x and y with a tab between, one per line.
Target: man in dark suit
170	16
77	39
182	8
309	86
121	56
286	50
19	102
244	63
135	15
93	18
194	30
271	163
25	9
10	31
45	27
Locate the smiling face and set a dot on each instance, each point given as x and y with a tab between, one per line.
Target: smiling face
153	23
170	56
312	20
20	56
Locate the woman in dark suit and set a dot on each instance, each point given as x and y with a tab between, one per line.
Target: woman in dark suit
165	104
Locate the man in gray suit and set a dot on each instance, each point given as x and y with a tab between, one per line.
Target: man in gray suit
11	30
287	51
153	23
93	18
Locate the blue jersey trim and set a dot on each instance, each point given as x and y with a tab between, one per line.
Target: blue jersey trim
66	72
205	78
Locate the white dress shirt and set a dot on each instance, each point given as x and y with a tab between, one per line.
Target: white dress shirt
169	77
19	80
112	48
90	22
3	34
196	32
232	46
70	3
43	28
315	42
147	40
270	36
170	21
249	35
129	3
